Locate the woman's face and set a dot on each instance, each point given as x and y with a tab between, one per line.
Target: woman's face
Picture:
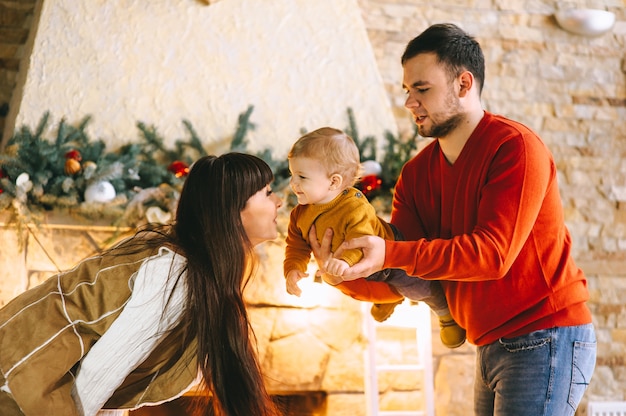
259	216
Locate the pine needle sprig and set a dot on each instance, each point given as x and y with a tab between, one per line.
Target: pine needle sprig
239	142
366	145
397	152
194	144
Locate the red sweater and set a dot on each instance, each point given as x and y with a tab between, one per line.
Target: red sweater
491	228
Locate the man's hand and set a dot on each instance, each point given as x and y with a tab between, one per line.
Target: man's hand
373	253
373	256
321	252
323	255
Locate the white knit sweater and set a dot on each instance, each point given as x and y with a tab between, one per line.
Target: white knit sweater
154	307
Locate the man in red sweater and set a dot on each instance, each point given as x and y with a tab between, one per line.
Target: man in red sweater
481	212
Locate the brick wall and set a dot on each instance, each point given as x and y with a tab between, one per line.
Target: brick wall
571	90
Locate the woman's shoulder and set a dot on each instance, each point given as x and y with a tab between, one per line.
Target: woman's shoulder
168	253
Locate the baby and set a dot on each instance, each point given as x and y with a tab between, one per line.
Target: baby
325	166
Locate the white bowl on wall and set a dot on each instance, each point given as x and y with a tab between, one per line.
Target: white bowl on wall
587	22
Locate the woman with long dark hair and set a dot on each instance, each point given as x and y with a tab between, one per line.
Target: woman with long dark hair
155	315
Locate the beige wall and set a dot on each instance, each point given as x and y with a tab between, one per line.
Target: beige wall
300	63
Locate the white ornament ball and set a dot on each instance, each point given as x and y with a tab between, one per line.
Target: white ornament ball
23	182
101	191
371	167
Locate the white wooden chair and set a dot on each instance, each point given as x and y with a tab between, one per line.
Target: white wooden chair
606	408
418	318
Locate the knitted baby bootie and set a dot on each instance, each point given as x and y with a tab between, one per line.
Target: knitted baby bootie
451	334
381	311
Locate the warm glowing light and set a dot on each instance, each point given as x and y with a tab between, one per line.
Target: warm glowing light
409	315
314	291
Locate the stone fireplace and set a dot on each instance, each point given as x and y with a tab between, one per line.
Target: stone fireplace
312	348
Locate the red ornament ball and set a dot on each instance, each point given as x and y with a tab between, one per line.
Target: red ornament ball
369	184
74	154
178	168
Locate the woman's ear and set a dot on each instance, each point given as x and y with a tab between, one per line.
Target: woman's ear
336	180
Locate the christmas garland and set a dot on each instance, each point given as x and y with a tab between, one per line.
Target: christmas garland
79	176
139	182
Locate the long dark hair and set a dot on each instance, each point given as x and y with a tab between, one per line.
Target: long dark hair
209	231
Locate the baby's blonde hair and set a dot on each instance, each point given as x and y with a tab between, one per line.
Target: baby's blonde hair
334	149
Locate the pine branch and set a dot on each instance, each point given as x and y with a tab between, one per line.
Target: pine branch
42	124
239	142
366	146
194	143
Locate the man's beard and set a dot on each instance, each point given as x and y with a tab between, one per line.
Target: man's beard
443	128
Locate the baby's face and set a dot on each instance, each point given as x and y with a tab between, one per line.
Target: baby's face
310	181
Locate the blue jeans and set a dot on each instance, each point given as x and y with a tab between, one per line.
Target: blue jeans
544	373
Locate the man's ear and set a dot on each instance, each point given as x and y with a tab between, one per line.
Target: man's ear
466	81
336	180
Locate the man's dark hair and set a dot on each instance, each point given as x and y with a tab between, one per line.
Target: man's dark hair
456	49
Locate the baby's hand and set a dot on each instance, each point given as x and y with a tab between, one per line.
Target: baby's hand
292	281
335	266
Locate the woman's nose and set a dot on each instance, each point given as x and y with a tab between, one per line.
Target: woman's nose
279	201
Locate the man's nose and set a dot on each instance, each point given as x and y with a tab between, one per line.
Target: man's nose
411	102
